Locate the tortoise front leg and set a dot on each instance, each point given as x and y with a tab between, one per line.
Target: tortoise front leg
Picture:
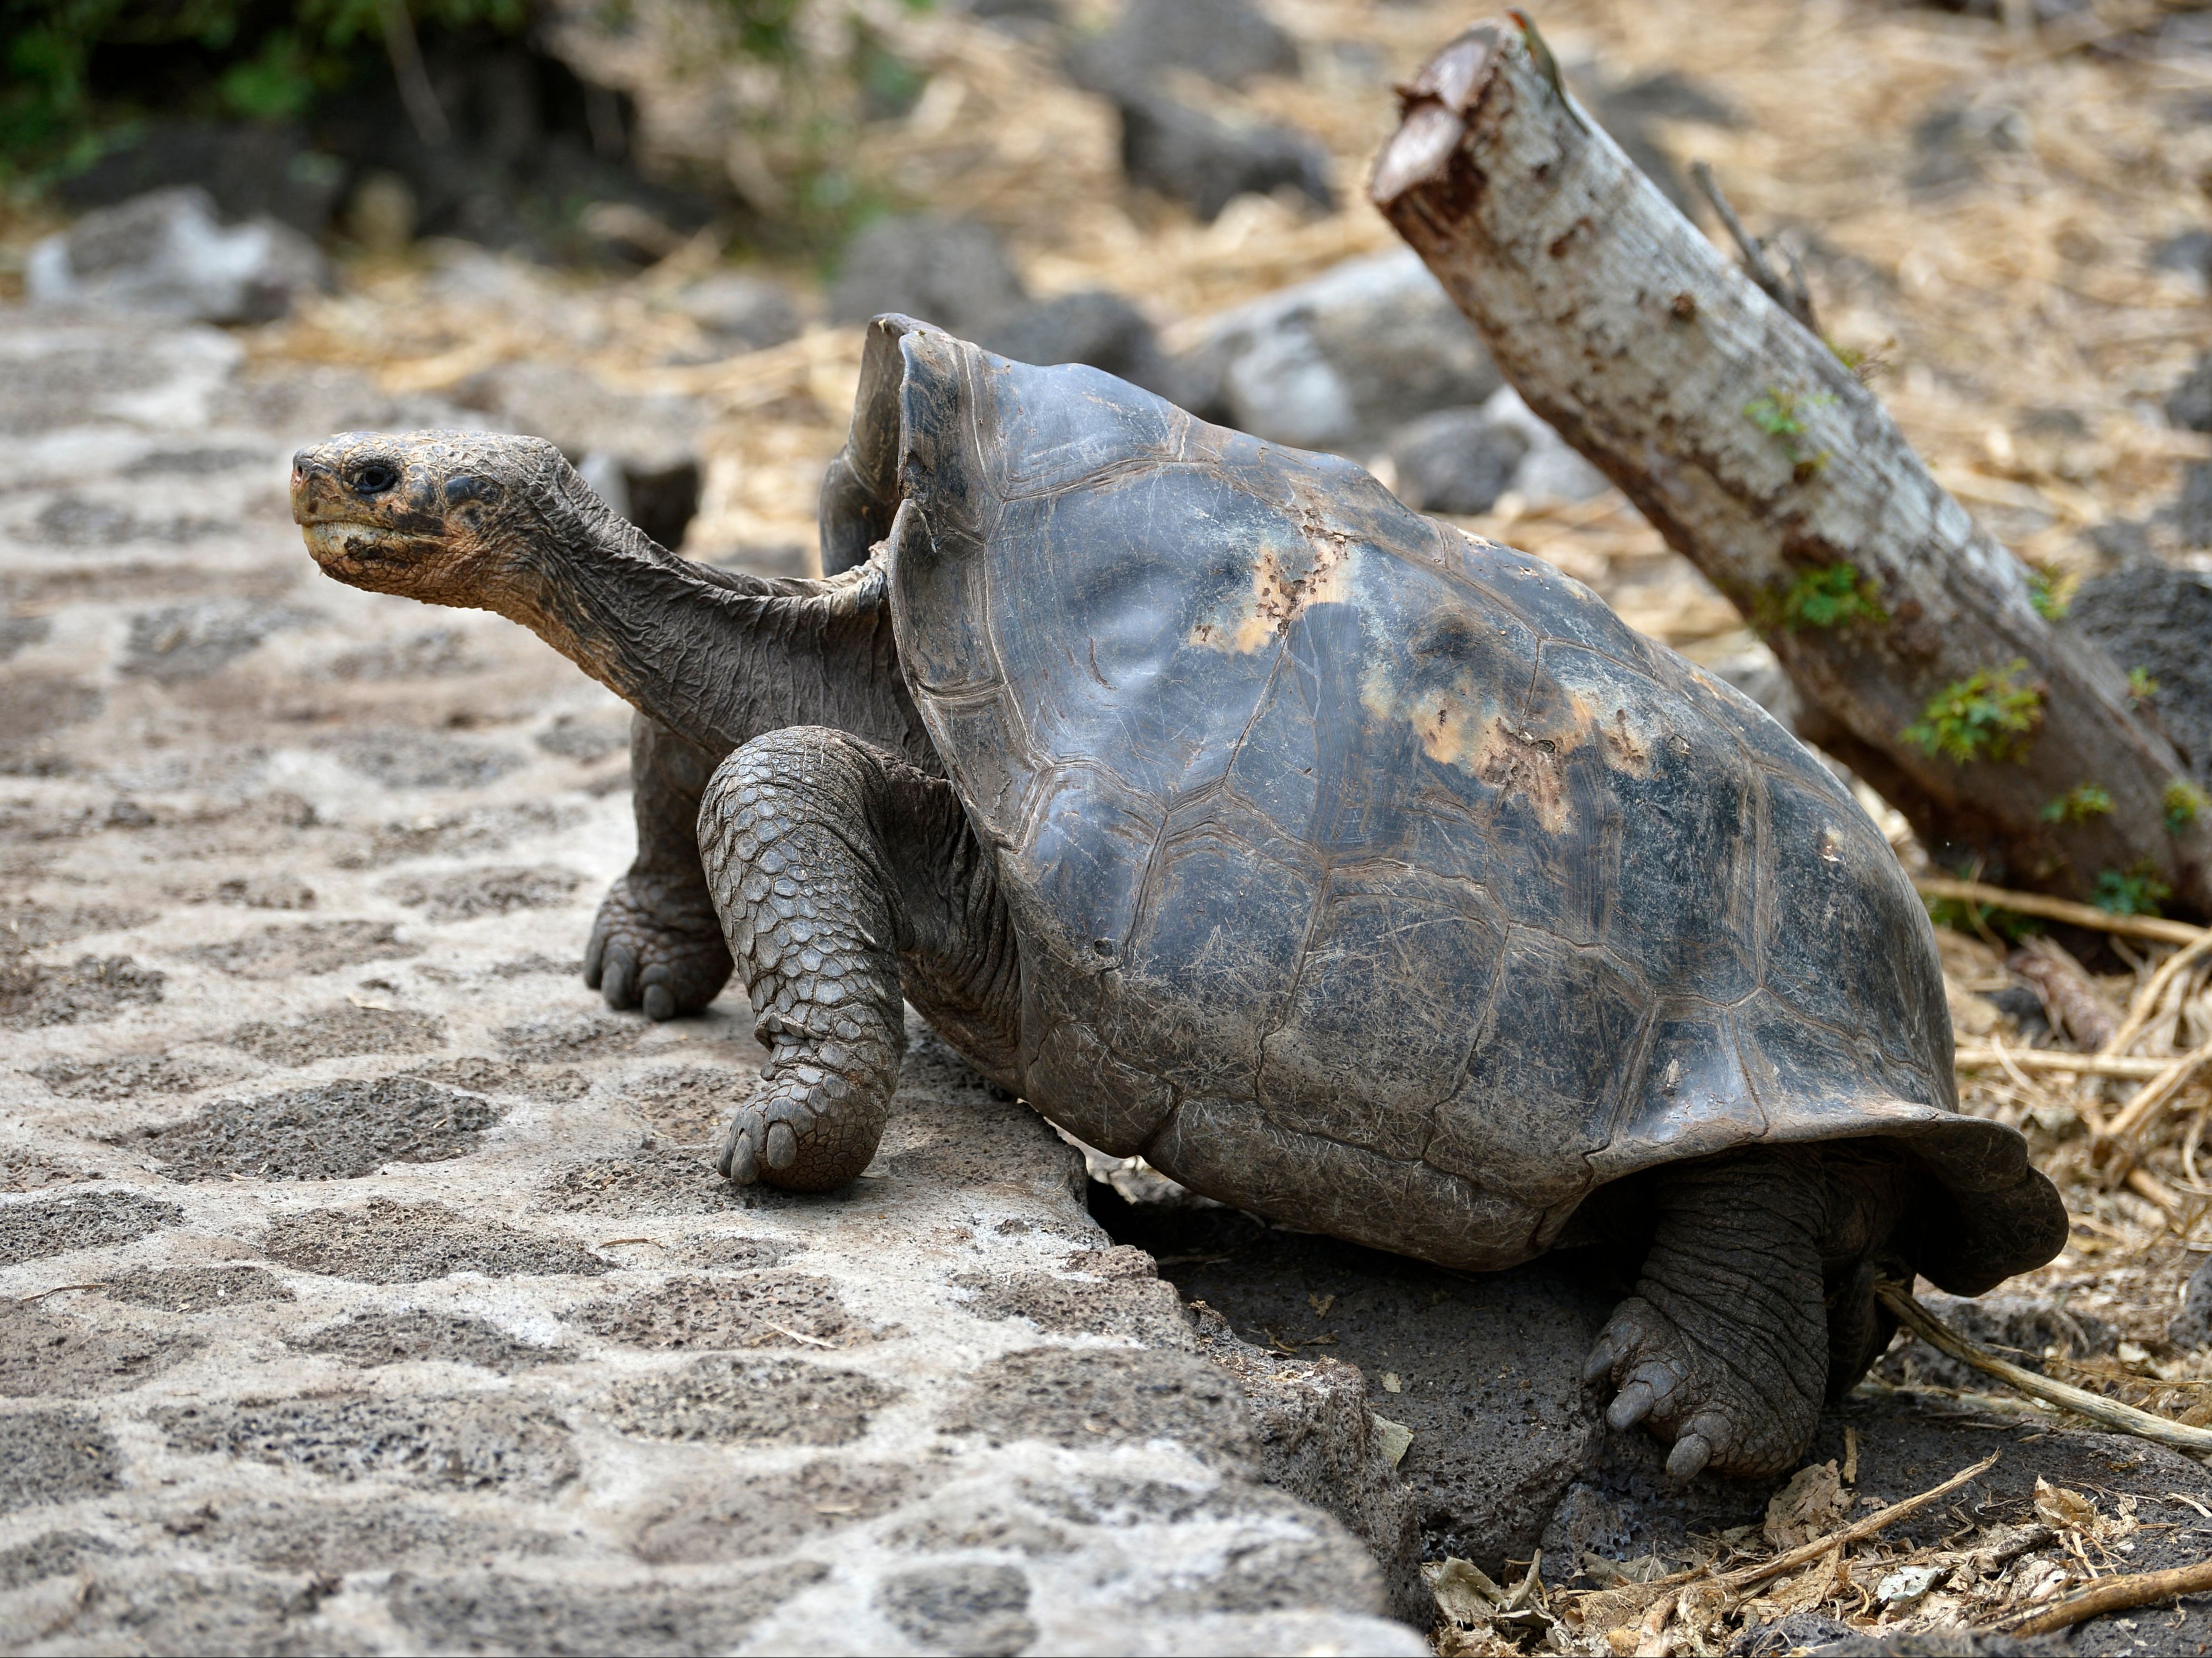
656	942
791	828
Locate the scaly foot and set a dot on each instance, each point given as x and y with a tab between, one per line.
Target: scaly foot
1722	1351
653	951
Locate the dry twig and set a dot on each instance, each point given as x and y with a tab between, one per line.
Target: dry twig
2109	1412
2045	1058
1858	1531
1789	292
2059	909
2144	1588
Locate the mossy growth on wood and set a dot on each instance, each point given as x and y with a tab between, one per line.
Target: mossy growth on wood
1826	596
1989	715
2079	804
2052	596
2183	801
2135	892
1779	414
2141	687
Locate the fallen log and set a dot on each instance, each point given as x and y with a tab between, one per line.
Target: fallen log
1911	635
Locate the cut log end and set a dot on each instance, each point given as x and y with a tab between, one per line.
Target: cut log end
1420	153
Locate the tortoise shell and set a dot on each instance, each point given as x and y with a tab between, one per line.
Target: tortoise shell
1377	878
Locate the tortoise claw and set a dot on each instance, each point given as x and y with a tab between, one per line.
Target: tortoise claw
1630	1405
1688	1458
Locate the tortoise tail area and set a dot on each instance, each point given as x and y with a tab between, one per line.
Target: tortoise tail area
2005	1216
1992	1214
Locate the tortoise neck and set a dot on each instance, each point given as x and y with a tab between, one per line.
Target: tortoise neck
717	656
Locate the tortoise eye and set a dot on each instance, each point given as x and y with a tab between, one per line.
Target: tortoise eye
374	477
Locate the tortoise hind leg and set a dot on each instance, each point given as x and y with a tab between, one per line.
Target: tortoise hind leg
1732	1338
656	943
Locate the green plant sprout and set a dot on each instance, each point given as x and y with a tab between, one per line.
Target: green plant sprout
1984	717
1863	365
2138	892
2141	687
2052	596
1828	596
1775	412
2183	800
1981	920
2079	804
1960	916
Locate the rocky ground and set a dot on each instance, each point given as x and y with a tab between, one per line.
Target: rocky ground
369	1284
369	1287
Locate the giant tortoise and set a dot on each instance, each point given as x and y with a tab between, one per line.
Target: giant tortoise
1357	872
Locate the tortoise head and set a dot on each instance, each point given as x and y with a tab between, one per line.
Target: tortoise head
446	517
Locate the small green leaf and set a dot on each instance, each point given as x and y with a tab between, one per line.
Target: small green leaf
2183	801
2138	892
1985	716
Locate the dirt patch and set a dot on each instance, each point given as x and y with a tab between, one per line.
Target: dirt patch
51	1355
265	892
193	640
294	1536
33	704
400	1338
657	1181
90	989
49	1556
1489	1366
1141	1310
777	1309
467	894
482	1611
980	1523
32	925
771	1514
485	830
27	1171
711	1251
585	738
482	1076
970	1607
722	1400
425	760
340	1032
565	1041
128	1077
196	1289
537	964
1089	1397
691	1104
475	1443
21	632
433	653
388	1243
54	1457
338	1130
306	949
197	1612
79	1220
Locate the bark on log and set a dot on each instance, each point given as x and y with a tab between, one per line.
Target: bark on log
1761	457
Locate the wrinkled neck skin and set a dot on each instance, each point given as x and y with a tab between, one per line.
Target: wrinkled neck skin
716	656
